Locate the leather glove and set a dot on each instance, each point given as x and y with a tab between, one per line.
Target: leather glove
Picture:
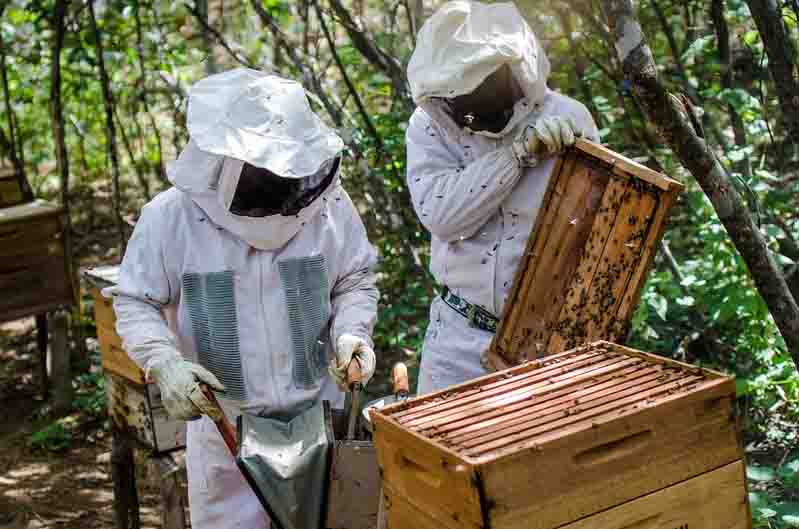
347	348
179	382
546	138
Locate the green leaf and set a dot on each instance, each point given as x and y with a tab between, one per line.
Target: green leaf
760	473
686	301
742	387
660	305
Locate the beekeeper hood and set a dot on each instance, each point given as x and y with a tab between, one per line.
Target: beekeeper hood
259	161
465	43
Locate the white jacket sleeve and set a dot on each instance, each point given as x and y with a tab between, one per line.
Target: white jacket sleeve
143	291
453	200
354	295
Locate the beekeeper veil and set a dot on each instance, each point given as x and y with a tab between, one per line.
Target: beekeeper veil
474	64
259	160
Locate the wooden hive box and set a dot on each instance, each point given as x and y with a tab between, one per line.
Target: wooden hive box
587	256
600	437
35	271
134	405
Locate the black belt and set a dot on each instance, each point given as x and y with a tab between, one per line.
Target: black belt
477	316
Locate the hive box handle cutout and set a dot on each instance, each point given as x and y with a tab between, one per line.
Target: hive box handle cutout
606	452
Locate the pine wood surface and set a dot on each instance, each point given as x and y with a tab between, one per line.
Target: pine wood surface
113	356
550	442
587	256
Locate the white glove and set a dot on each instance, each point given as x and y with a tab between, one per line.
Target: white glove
547	137
347	348
179	382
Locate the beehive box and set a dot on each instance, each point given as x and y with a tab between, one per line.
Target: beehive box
35	271
599	437
587	256
134	405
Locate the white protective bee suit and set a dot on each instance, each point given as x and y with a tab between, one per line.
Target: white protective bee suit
256	300
468	188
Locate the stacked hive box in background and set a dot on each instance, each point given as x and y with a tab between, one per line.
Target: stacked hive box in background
35	272
597	437
587	257
134	405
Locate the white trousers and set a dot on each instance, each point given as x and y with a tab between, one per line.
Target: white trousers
219	496
451	351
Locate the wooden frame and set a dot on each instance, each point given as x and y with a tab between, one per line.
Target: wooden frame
587	257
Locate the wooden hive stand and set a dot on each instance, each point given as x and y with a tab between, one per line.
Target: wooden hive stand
138	418
587	257
37	279
598	437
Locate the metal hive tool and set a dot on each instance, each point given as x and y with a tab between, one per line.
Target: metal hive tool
545	400
306	287
212	307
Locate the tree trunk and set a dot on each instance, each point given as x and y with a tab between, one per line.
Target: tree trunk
56	107
16	155
144	96
670	116
110	128
725	57
781	61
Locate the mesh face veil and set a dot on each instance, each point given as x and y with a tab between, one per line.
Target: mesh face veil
261	193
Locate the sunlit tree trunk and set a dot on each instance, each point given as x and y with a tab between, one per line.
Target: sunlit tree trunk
110	128
670	115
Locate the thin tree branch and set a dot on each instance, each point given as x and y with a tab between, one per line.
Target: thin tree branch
110	128
669	114
198	15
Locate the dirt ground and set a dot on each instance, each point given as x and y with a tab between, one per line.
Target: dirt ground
71	488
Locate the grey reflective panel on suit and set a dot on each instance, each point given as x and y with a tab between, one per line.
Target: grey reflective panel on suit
307	291
212	306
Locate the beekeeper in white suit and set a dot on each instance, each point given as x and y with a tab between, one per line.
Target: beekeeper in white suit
243	273
480	148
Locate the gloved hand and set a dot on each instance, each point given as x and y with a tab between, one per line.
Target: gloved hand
347	348
547	137
179	382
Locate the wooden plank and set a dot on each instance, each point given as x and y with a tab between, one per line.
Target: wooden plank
582	472
534	421
629	166
173	504
113	357
715	500
503	387
556	258
450	412
132	413
35	237
32	286
402	514
494	418
60	376
491	380
434	481
605	286
543	229
31	210
354	486
560	422
587	258
651	246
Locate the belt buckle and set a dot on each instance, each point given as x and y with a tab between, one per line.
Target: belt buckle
471	316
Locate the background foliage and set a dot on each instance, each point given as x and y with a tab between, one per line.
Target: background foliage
699	304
